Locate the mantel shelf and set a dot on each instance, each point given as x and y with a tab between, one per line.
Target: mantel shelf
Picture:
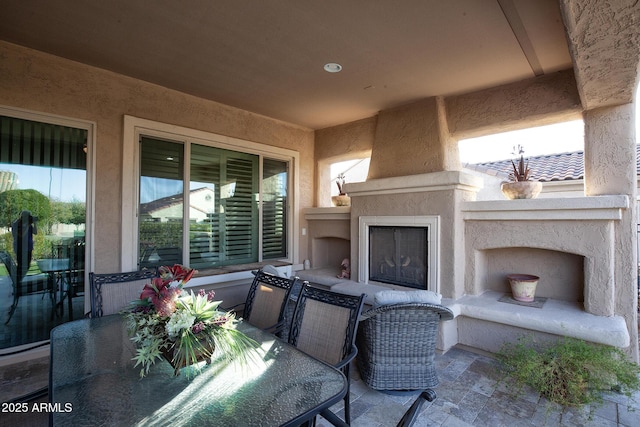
332	213
571	208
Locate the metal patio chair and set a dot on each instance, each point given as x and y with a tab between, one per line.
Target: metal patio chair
112	292
324	325
23	285
266	301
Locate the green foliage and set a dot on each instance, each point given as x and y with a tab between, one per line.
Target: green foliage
570	372
68	212
13	202
162	234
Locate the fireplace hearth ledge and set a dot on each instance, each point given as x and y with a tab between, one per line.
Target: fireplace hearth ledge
563	318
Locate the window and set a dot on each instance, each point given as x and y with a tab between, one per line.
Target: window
209	201
43	210
352	171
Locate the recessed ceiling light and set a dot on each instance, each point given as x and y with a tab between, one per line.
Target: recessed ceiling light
332	67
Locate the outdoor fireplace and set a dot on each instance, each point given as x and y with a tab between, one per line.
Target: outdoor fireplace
399	250
398	255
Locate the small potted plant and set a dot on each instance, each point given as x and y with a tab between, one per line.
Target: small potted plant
521	185
341	199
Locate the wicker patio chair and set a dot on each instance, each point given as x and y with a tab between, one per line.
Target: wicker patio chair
266	301
23	285
397	345
112	292
324	325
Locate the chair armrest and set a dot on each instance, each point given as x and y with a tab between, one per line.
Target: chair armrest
232	308
344	362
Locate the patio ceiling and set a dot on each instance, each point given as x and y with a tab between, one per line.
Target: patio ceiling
268	57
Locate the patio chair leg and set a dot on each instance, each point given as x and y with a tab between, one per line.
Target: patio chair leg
410	416
12	310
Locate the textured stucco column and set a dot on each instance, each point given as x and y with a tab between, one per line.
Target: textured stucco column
610	168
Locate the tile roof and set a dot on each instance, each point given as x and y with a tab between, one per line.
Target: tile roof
551	167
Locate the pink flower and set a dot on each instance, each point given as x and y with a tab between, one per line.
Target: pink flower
162	296
176	273
197	328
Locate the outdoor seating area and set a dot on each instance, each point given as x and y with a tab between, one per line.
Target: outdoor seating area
330	214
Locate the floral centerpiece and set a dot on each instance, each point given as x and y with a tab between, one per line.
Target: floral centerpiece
183	327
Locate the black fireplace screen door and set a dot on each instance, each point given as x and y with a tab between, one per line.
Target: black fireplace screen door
398	255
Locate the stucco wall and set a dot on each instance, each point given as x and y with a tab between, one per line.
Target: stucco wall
40	82
340	143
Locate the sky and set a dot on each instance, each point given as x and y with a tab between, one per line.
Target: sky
65	185
552	139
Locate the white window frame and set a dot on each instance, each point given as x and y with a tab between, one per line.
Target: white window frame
90	127
135	126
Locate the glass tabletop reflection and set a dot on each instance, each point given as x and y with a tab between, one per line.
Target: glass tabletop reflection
94	380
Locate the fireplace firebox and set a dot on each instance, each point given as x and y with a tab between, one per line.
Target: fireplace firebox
399	250
398	255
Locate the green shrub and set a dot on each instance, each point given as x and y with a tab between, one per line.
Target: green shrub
570	372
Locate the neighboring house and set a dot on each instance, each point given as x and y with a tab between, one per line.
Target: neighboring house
202	201
561	173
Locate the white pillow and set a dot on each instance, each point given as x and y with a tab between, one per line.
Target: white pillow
272	270
402	297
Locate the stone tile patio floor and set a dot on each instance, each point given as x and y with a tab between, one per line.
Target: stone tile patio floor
470	393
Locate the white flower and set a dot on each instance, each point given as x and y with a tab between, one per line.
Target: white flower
179	321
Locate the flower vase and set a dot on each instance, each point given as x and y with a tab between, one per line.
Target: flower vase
521	189
341	200
203	352
523	287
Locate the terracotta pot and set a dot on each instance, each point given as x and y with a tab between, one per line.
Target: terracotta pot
523	286
521	189
341	200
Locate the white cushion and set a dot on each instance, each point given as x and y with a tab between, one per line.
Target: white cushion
402	297
272	270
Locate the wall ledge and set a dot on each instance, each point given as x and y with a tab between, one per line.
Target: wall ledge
338	212
556	317
569	208
435	181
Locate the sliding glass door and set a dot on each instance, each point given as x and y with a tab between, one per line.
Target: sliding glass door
43	196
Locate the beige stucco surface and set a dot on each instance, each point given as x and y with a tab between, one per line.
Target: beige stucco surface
40	82
340	143
417	138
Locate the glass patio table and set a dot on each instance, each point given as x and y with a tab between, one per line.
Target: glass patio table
55	269
93	382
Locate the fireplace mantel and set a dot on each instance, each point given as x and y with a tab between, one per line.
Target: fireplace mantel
570	208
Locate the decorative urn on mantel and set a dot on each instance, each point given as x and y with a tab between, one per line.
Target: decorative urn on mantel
341	199
521	186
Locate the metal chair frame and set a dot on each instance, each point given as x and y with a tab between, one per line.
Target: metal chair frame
349	350
97	281
266	279
27	285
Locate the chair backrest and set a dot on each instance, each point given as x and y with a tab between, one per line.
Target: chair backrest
324	323
120	289
397	345
266	300
10	265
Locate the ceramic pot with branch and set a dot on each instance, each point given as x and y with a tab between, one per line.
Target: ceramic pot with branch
521	185
341	199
